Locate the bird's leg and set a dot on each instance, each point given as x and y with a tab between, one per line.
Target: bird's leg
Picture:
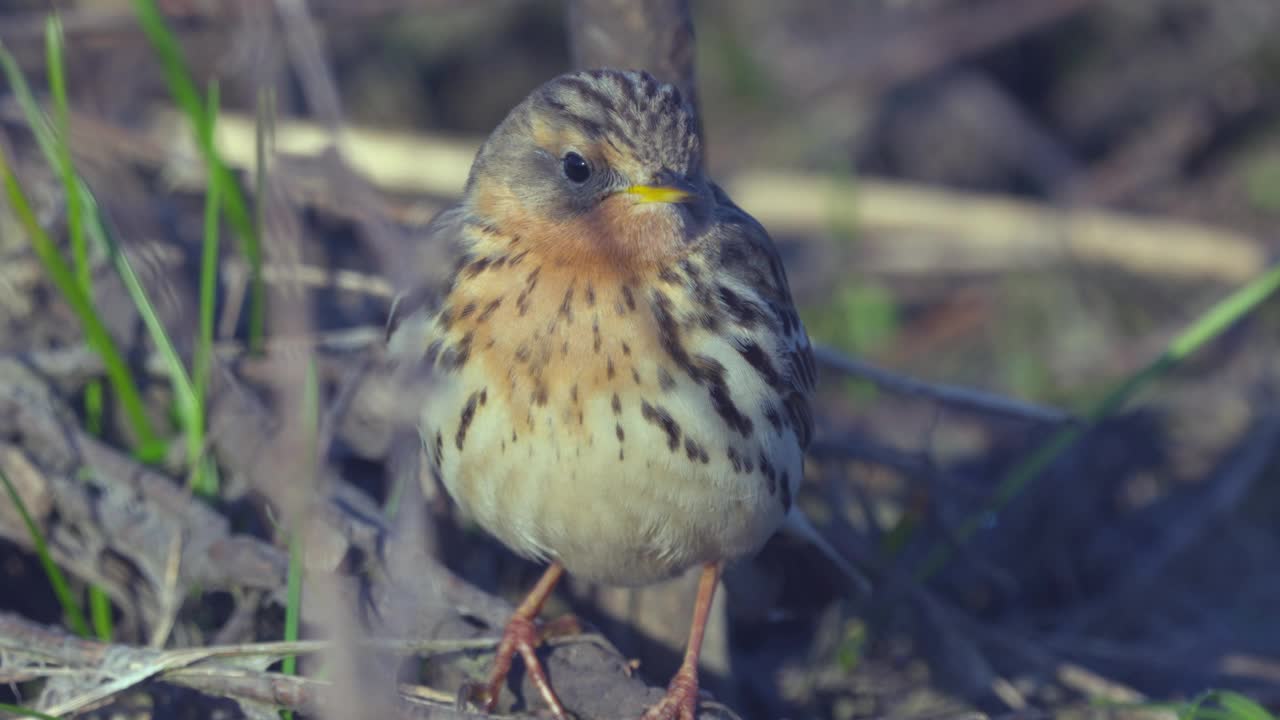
681	700
522	636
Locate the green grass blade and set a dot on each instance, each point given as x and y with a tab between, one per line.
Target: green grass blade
1224	314
1213	713
293	593
21	712
93	400
96	334
1210	325
184	92
188	405
70	607
208	275
93	409
1192	708
207	477
99	603
100	613
62	128
31	111
1239	707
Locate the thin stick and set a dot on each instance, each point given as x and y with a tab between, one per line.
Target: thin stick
957	397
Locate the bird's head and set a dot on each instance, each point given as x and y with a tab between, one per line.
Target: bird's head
597	166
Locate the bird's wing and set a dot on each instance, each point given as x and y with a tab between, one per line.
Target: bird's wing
748	254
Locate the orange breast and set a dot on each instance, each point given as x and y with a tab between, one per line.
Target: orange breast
552	339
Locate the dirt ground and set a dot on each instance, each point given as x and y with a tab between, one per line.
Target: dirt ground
992	212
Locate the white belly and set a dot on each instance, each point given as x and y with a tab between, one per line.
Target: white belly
621	497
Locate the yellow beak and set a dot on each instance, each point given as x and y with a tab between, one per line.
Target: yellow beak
658	194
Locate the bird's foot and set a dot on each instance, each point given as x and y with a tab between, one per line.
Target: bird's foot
520	636
681	700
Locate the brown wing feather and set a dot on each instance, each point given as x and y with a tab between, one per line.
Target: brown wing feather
747	253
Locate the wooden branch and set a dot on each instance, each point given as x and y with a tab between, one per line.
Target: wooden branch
913	229
903	228
949	395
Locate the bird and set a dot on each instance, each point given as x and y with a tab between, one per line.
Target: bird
621	386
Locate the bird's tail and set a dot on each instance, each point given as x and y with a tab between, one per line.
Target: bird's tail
798	525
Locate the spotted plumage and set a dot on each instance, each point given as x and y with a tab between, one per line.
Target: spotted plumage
633	327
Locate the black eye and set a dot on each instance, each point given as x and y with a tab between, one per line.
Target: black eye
576	168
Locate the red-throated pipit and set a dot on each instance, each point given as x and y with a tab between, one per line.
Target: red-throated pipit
620	380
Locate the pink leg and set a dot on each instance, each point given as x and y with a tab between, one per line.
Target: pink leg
522	636
681	700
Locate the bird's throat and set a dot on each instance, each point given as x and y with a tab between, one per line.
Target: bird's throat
618	237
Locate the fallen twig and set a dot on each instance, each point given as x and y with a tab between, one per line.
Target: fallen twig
119	668
958	397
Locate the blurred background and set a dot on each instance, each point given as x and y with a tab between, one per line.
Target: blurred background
1017	203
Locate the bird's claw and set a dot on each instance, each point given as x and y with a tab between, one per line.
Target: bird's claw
520	636
680	702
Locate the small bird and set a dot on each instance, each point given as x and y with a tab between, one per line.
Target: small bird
620	383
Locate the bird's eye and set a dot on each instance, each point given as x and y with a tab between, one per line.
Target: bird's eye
576	168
